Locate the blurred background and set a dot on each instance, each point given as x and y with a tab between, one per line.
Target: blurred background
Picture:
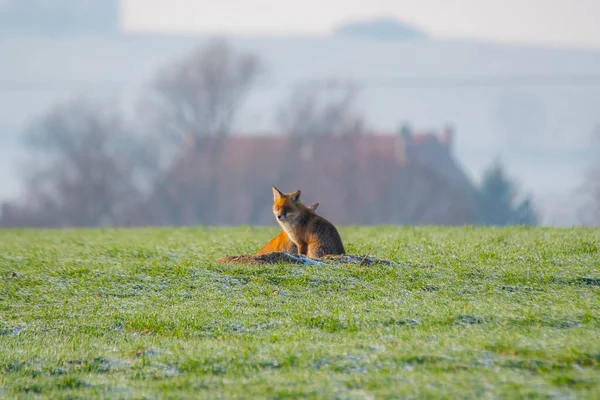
186	112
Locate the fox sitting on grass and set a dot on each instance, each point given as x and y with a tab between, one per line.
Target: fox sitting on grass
313	234
282	242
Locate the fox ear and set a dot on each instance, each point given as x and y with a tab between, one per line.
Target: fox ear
295	196
276	193
314	207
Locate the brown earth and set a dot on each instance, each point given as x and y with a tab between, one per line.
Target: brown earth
280	257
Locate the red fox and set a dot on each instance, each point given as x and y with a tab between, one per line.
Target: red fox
282	242
313	234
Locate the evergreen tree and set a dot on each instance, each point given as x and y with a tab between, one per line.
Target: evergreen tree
498	201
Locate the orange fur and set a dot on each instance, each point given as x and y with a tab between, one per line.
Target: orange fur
313	234
282	242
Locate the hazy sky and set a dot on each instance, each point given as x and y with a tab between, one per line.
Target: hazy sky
559	22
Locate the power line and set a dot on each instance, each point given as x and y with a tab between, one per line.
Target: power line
487	81
64	86
472	81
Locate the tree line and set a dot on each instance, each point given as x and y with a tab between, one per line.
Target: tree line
88	165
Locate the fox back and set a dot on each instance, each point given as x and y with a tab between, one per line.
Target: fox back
313	234
282	242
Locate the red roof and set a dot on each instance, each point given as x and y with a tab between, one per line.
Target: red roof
240	150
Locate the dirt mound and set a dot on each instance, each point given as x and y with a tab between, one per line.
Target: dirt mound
280	257
269	258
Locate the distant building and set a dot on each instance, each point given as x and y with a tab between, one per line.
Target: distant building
404	178
59	17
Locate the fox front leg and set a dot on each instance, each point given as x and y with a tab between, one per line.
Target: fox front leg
302	248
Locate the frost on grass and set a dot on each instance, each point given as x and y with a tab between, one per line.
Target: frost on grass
10	330
158	316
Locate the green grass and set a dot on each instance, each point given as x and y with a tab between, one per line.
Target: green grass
468	313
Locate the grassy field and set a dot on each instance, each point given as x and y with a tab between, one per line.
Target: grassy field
468	313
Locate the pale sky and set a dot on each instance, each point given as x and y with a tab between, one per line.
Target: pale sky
551	22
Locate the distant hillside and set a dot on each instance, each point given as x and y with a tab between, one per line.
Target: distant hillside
59	17
380	28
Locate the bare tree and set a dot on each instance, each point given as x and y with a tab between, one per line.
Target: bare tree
321	109
200	94
195	101
82	167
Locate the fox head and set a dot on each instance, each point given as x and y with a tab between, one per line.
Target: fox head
287	206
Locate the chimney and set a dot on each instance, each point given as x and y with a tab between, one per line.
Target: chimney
400	150
447	137
403	143
405	131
